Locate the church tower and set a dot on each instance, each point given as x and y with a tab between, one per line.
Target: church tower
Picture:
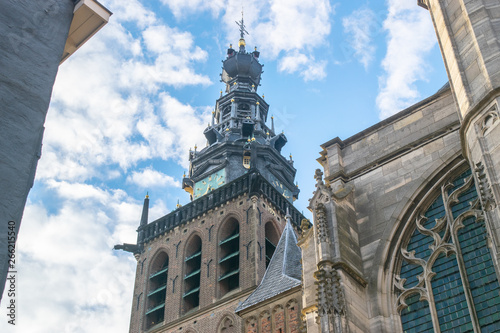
198	263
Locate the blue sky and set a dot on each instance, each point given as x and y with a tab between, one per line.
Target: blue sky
129	104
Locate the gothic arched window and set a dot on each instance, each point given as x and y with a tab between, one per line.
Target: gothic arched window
272	239
192	270
227	326
229	256
157	288
447	281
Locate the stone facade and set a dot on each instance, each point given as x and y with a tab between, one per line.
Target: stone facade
31	45
36	37
406	219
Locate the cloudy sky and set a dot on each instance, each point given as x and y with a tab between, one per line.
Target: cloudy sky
130	103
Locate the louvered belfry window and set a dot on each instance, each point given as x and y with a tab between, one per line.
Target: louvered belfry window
229	257
157	285
192	264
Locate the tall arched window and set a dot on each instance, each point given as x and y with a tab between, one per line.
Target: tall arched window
157	287
192	268
447	281
229	256
272	239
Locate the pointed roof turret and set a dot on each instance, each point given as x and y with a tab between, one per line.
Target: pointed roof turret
145	211
284	271
136	248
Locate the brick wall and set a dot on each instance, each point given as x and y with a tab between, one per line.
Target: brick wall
294	319
209	228
265	325
279	320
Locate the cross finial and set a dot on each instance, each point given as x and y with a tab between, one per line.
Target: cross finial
241	24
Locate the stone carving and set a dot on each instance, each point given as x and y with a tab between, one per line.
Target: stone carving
318	175
330	299
305	225
291	302
485	191
322	223
265	314
277	308
227	326
323	192
489	120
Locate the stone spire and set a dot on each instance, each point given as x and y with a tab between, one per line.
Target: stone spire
135	248
145	211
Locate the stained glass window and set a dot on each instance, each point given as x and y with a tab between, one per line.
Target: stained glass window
447	277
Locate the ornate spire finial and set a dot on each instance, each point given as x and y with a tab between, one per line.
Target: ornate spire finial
243	31
241	24
318	175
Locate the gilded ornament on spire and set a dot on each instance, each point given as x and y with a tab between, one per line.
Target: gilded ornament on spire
243	31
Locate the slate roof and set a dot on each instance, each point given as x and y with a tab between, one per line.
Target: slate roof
283	273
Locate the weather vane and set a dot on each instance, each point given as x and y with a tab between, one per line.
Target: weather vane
240	24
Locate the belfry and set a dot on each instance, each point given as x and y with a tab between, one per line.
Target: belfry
197	264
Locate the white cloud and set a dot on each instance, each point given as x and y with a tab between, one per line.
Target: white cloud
70	279
186	123
277	26
291	63
148	178
108	113
294	25
107	86
130	10
183	7
360	27
308	67
316	70
410	38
